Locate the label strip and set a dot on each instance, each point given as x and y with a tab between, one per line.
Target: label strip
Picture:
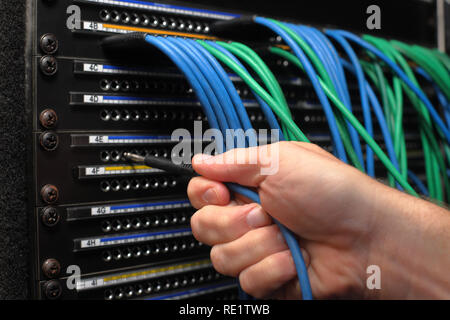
96	99
92	243
93	26
139	275
93	67
79	213
117	170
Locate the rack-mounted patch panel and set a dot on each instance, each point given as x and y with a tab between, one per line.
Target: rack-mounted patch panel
126	227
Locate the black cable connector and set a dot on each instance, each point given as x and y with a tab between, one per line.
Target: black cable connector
162	163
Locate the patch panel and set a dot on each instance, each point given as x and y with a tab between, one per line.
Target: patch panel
101	237
127	226
190	277
159	249
154	21
163	285
143	222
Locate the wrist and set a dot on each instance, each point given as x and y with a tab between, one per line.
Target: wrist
410	245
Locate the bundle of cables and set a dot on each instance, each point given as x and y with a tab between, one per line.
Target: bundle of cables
204	64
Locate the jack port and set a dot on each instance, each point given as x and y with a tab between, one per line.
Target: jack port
114	15
115	155
126	224
115	115
105	85
105	186
107	256
135	19
125	17
105	115
105	156
104	15
115	185
125	114
106	226
116	225
125	185
127	254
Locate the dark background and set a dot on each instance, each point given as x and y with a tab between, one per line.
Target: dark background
409	20
13	214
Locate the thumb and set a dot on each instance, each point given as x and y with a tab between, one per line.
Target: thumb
245	166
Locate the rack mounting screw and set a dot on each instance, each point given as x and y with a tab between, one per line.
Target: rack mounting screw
49	193
52	289
49	43
51	268
49	65
48	118
50	216
49	140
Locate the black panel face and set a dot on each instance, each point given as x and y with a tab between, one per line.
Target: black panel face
121	231
104	228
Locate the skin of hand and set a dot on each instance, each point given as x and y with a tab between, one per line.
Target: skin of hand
344	220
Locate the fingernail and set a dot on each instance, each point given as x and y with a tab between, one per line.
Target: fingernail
256	218
210	196
203	158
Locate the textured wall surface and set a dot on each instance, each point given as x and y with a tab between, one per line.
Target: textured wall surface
14	244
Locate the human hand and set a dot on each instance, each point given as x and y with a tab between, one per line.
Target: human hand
314	194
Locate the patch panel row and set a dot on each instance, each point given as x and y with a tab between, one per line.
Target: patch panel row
145	86
150	115
158	248
116	155
138	184
162	285
141	222
153	21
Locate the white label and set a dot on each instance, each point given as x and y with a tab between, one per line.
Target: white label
98	211
90	243
95	171
91	25
98	139
92	67
92	98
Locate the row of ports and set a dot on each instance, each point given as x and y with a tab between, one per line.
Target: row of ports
315	118
145	86
150	250
152	115
116	155
153	21
156	286
145	222
290	93
227	296
165	115
179	88
138	184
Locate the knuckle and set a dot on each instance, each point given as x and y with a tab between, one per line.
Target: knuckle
224	221
282	266
192	192
247	284
196	225
217	259
199	220
268	236
201	224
